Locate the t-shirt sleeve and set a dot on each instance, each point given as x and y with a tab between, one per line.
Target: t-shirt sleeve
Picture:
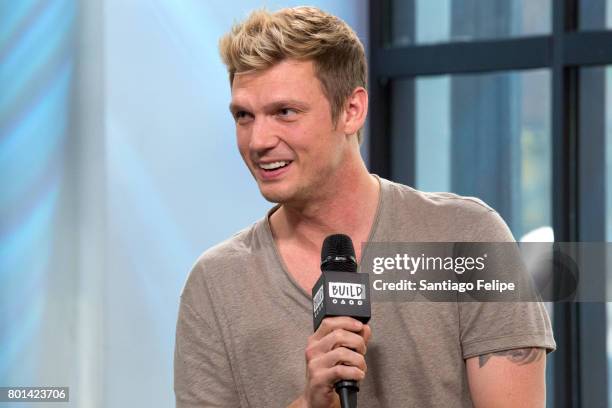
202	370
487	327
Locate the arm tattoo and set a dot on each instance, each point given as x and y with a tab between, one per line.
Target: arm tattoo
520	356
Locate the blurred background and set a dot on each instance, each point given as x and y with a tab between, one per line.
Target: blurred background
118	164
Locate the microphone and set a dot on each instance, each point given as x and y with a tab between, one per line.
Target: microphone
341	291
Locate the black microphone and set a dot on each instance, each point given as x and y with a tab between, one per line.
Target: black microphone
341	291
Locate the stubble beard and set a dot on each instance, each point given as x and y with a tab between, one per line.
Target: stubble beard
285	196
300	192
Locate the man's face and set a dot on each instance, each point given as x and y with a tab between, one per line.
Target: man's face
285	131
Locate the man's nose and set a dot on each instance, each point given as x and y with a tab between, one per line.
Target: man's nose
263	135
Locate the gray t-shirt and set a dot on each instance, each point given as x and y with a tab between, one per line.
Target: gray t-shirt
244	321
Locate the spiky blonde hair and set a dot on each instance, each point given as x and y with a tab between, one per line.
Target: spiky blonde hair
301	33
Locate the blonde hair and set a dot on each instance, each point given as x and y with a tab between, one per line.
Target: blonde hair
302	33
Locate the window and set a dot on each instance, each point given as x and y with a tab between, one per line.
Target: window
466	20
595	14
454	84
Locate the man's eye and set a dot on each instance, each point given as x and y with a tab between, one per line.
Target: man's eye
287	112
241	115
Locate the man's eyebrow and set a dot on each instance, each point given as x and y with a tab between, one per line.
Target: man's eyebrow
233	108
273	106
284	103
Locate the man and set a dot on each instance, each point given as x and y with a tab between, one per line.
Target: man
244	336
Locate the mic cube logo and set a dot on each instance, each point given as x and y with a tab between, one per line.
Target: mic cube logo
345	290
317	300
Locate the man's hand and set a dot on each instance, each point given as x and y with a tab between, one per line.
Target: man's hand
334	352
509	378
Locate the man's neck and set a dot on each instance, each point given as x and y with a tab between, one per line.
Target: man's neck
350	210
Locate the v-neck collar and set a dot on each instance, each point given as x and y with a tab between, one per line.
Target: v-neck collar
279	259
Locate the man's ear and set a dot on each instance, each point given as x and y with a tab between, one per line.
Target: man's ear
355	111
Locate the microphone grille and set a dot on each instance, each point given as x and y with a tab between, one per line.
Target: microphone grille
338	253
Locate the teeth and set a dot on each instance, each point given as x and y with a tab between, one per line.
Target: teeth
272	166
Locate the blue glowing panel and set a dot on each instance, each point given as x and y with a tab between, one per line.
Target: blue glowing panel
36	74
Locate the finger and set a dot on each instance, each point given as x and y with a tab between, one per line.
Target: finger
330	324
342	338
336	339
339	372
343	356
366	333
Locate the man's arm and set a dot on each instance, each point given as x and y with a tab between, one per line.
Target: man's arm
509	378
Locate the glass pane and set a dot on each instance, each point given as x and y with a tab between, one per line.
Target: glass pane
595	14
431	21
608	185
485	135
596	128
489	136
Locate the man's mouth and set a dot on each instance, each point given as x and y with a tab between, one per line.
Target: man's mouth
274	165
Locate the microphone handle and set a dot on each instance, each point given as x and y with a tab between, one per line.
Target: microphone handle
347	390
